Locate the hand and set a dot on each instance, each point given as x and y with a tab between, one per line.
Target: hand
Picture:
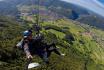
29	56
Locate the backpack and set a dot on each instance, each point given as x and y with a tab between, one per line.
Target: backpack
38	37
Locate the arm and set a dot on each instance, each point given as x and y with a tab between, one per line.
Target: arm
26	50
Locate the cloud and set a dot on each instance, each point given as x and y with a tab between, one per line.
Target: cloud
93	5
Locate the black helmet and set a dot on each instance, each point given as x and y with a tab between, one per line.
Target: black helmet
27	33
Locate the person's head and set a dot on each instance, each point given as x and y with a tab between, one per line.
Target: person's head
27	34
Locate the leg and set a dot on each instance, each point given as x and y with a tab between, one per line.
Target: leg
56	51
43	54
48	53
45	57
52	48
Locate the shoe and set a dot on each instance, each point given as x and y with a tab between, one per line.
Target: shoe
62	54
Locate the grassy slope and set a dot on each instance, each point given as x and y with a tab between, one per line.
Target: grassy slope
81	54
10	34
84	47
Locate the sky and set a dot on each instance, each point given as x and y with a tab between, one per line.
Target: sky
93	5
1	0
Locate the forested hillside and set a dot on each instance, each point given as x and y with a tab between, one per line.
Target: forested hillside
76	32
10	33
8	9
82	51
59	7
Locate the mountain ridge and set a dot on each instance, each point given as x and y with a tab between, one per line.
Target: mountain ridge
69	10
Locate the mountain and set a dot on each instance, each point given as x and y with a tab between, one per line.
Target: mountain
8	9
61	8
92	20
92	5
68	28
83	52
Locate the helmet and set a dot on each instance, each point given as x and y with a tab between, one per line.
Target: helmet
27	33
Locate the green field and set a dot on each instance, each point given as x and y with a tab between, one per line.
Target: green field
82	51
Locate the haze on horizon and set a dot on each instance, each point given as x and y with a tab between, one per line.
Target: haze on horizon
92	5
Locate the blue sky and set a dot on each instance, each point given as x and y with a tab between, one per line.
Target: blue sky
93	5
